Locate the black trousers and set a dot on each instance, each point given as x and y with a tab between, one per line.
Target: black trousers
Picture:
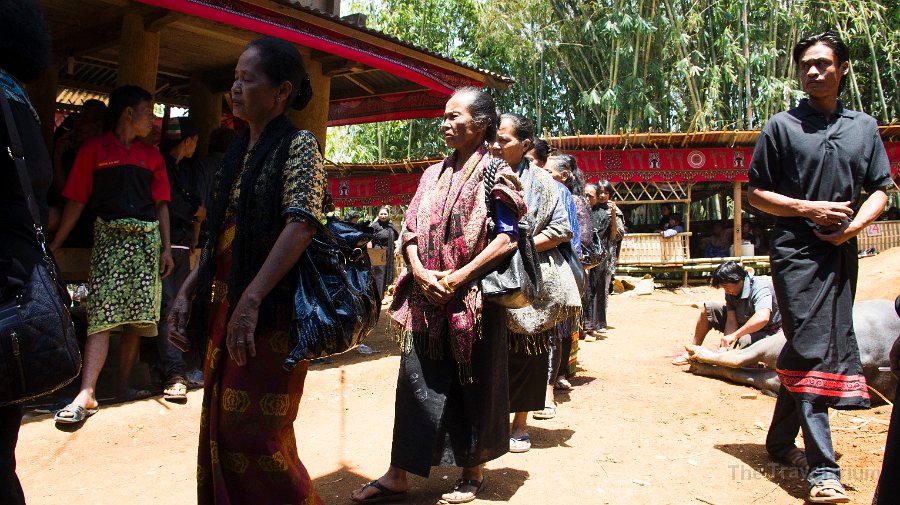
171	360
888	490
10	488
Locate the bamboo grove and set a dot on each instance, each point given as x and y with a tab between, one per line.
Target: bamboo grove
635	65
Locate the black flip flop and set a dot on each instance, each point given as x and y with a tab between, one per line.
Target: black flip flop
384	494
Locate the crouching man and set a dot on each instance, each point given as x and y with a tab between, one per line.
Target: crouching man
750	312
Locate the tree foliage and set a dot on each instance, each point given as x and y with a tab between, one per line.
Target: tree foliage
634	65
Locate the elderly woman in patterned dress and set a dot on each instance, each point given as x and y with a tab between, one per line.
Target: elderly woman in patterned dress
265	209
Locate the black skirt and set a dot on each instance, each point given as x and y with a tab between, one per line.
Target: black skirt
527	379
438	421
815	283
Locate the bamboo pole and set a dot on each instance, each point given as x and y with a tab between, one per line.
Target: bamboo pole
695	94
876	71
614	80
737	219
687	234
747	96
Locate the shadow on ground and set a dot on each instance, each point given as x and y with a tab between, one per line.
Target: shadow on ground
500	485
545	438
755	464
564	396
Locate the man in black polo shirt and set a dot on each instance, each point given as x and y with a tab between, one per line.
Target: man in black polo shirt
808	169
186	212
750	312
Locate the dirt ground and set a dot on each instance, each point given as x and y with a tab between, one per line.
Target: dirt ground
635	430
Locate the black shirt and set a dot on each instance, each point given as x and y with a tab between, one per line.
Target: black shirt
17	238
184	202
802	154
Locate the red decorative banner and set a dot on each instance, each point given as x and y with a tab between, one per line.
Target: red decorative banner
372	191
660	165
627	165
690	165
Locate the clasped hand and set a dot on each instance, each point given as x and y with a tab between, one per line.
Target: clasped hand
834	218
429	282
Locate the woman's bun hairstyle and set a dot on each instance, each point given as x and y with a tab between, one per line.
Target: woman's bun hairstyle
304	94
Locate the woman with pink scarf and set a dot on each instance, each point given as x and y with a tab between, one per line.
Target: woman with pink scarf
452	399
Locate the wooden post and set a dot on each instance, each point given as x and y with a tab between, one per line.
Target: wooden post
139	53
737	218
315	116
687	228
206	111
43	97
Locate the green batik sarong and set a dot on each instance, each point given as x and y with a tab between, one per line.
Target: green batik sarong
125	288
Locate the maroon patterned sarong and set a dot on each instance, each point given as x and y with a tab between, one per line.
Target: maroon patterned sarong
248	450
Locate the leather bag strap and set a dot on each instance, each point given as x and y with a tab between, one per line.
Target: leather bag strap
17	155
490	175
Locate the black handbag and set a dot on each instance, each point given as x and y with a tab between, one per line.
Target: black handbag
38	349
593	253
336	303
516	281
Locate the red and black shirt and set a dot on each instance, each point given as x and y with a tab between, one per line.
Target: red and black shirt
121	182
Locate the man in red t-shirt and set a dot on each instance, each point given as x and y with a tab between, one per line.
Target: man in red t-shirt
125	180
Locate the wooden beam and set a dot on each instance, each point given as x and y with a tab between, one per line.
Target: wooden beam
102	33
93	88
156	23
410	88
216	31
118	3
358	82
343	67
43	98
94	38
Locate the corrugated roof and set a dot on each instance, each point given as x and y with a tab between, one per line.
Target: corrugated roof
362	169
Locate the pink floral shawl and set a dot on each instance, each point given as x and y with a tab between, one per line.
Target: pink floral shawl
448	220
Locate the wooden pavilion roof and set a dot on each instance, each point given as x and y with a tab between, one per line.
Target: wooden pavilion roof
374	76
